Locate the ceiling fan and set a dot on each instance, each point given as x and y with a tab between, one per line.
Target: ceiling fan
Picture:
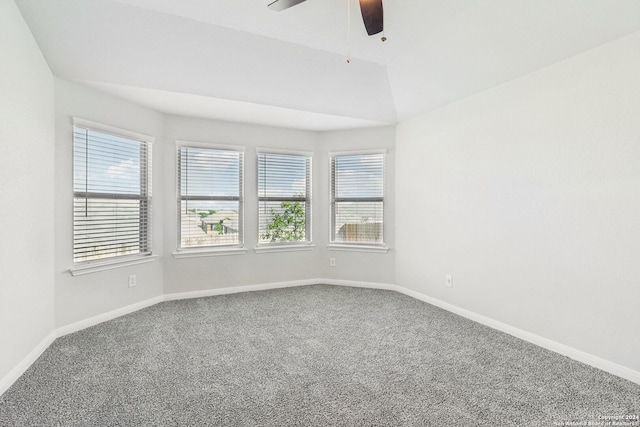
372	13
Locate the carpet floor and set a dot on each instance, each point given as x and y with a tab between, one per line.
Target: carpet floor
309	356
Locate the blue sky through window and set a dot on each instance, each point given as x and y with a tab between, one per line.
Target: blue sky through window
360	176
106	163
282	175
209	172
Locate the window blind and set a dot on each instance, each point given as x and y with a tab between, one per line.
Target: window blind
112	196
357	198
210	202
284	197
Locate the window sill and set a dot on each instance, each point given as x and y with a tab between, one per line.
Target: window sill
94	267
358	248
198	253
283	248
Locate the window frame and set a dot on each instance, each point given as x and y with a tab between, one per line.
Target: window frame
306	244
338	245
211	250
145	196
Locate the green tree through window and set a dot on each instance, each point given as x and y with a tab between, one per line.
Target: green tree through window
284	197
288	225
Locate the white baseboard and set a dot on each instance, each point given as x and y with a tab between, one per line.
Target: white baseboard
92	321
581	356
26	362
357	284
239	289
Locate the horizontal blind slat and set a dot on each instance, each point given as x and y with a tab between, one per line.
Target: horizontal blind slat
210	196
357	198
112	190
284	197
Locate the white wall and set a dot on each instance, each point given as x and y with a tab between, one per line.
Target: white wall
81	297
529	195
26	202
195	274
214	272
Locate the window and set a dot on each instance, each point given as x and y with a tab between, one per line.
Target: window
210	196
284	197
357	198
112	194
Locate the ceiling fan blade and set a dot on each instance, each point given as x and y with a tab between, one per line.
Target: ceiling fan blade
279	5
372	15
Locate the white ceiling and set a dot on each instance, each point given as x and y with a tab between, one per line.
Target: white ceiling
237	60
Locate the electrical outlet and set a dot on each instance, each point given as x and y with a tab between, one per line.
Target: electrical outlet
448	280
332	262
132	280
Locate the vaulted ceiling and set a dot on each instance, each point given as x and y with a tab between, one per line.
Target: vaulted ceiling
238	60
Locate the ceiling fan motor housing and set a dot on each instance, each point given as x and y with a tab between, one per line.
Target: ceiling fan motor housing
371	10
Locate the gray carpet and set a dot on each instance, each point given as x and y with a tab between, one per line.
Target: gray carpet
307	356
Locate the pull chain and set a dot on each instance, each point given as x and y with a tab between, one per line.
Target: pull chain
383	38
348	31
